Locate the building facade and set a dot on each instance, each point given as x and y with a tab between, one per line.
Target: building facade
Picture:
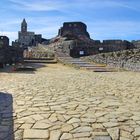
27	38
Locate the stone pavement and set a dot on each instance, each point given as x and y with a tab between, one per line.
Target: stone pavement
61	103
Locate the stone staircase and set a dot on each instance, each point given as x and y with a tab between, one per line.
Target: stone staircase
83	64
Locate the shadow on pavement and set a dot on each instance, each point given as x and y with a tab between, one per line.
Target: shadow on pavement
6	117
29	68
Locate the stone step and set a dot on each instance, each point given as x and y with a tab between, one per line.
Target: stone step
101	70
78	63
98	69
85	65
40	61
91	66
71	60
38	58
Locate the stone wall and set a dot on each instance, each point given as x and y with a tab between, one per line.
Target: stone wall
78	40
136	43
111	45
39	52
74	29
73	47
60	45
128	59
4	41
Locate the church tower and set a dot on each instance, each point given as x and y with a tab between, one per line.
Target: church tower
24	26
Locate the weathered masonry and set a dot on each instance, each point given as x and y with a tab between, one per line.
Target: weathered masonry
78	41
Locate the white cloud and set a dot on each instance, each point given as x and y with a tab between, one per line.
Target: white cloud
74	10
37	5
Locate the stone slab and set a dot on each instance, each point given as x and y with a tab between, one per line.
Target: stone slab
35	134
102	138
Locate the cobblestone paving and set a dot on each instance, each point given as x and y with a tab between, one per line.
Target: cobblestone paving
62	103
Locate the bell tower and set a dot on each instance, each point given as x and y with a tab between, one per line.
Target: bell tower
24	26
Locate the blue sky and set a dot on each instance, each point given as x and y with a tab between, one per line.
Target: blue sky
105	19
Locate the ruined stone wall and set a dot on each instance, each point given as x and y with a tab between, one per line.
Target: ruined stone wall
73	28
112	45
136	43
74	47
4	41
128	59
77	32
41	52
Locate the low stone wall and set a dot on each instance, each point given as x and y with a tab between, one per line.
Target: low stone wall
40	52
128	59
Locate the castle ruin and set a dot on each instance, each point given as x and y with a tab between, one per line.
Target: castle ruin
78	41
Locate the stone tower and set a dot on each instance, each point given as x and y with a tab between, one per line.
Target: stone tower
24	26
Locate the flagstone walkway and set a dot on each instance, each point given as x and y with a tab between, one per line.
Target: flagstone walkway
62	103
